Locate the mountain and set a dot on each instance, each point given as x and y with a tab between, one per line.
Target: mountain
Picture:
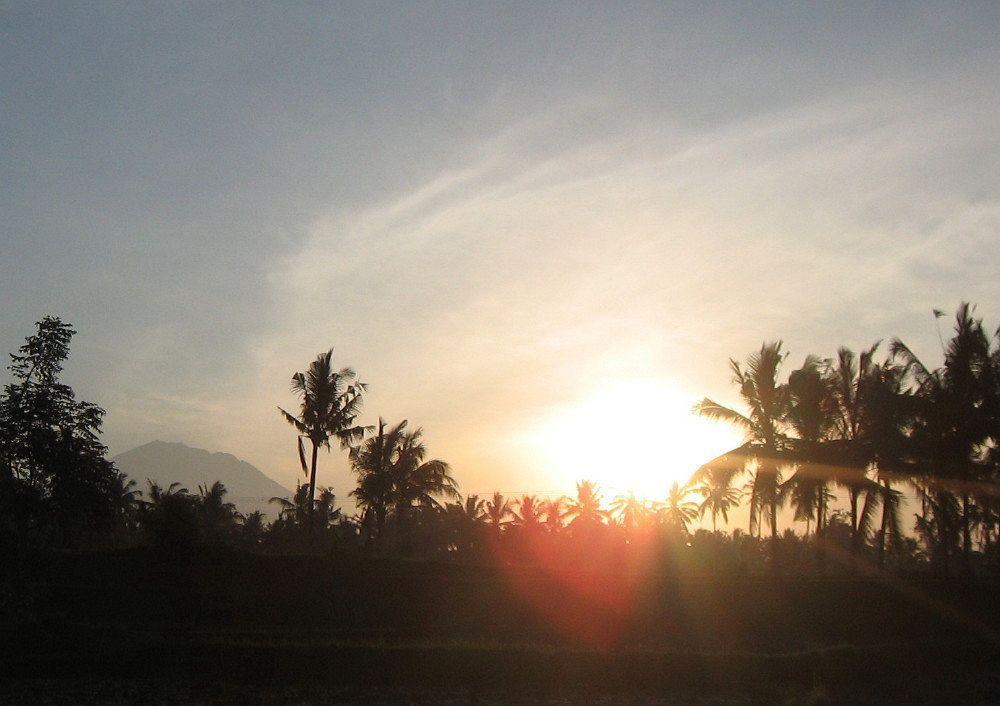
165	463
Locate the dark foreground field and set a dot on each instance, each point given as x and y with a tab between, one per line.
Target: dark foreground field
238	628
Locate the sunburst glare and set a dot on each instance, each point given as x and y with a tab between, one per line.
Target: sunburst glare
631	436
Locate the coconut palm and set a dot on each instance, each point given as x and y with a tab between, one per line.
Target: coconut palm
767	402
953	455
585	510
715	486
868	432
253	527
125	498
330	403
217	515
169	516
678	511
297	510
463	522
553	512
630	511
528	514
812	414
498	509
394	476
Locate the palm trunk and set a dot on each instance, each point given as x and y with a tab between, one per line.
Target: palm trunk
774	532
884	528
312	477
966	533
820	514
855	530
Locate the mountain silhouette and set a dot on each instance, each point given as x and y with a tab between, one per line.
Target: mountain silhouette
165	463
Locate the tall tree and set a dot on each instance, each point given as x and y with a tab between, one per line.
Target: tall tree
585	509
767	402
678	511
715	486
867	430
52	462
955	422
330	401
498	509
528	514
811	414
394	476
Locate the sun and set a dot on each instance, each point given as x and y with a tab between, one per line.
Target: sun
632	436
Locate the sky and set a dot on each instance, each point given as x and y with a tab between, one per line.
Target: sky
537	230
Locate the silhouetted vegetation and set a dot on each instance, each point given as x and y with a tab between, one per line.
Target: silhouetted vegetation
839	441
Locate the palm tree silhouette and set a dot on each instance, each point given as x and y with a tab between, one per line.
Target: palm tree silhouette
528	514
330	402
585	510
715	486
811	413
950	453
217	515
498	509
125	499
860	428
393	475
767	401
631	512
553	512
678	511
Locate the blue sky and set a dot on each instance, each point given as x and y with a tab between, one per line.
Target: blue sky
492	212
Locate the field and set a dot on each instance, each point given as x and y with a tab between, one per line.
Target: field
224	626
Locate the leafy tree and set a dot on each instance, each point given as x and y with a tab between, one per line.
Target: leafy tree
52	463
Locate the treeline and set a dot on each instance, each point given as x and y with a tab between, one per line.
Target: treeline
865	425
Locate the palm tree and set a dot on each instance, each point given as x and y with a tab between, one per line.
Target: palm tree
811	413
767	402
678	511
330	402
252	527
631	512
952	454
585	510
715	486
867	427
463	522
125	499
528	514
313	516
393	475
498	509
217	515
553	511
298	510
169	516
